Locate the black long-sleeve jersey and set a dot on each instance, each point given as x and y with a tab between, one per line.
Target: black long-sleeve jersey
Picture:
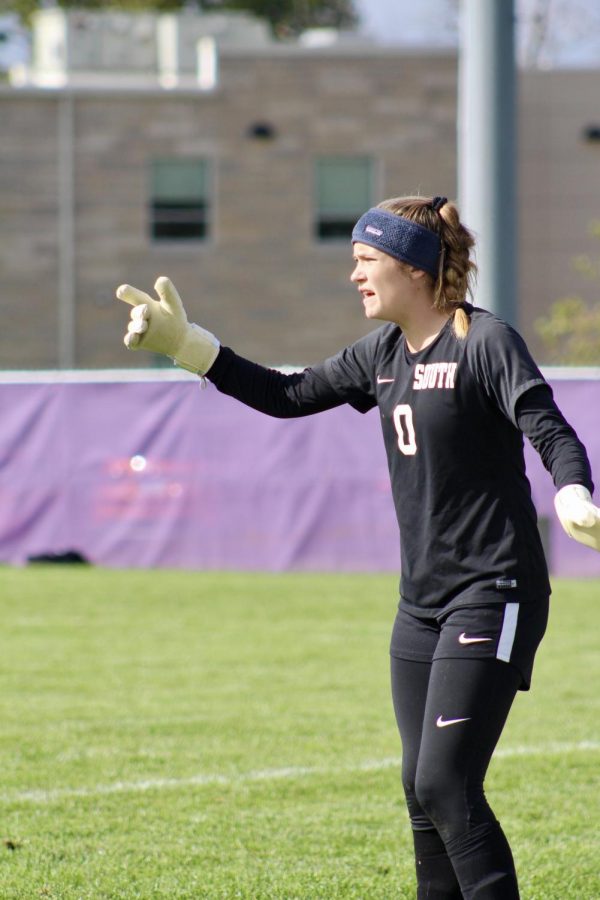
453	417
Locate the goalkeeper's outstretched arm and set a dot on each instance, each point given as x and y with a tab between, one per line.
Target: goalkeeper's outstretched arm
162	326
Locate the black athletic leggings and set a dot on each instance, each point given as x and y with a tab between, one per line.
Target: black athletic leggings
450	714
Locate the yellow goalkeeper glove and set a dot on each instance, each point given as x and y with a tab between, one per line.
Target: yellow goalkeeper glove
578	515
162	326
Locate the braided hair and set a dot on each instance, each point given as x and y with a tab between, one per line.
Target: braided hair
457	270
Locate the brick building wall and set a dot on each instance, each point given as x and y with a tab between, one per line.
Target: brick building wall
29	257
261	282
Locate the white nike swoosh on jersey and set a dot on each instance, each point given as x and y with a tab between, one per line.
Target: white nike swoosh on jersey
381	380
463	639
442	723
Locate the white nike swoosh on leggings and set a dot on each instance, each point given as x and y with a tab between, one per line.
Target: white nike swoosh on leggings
463	639
442	723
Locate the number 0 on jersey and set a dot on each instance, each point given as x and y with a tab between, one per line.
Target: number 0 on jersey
403	422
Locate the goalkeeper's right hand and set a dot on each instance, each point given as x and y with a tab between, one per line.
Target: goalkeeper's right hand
162	326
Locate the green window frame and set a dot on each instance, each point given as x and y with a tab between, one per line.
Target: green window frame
179	199
344	191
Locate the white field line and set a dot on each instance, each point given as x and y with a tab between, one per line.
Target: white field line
42	797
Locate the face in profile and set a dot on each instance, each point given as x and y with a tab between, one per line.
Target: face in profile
387	287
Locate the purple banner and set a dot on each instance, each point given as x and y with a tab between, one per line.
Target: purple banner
579	400
157	473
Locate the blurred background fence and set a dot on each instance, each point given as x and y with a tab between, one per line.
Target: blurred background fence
153	472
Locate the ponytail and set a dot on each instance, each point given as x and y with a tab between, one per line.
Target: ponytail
457	270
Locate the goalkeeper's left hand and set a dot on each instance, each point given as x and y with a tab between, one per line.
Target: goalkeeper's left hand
578	515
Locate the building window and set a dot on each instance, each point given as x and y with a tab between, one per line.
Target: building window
344	192
179	200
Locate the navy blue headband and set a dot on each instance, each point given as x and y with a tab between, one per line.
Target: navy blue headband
398	237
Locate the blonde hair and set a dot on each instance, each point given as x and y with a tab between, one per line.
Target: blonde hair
457	270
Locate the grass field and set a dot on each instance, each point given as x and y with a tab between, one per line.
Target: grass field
193	735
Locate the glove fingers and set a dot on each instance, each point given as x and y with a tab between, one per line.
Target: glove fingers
577	511
585	519
137	326
131	340
169	298
139	313
588	536
132	295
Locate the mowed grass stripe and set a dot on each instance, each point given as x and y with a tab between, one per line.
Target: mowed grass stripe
290	772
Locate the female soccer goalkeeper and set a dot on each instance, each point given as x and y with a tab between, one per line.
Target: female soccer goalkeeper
457	389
